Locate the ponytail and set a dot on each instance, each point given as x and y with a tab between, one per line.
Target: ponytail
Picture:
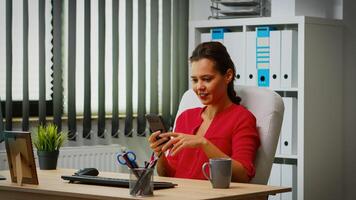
232	94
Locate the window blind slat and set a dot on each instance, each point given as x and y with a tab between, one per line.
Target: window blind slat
183	46
57	64
8	103
166	62
175	59
154	57
141	107
129	69
87	65
101	92
72	127
42	63
25	101
115	69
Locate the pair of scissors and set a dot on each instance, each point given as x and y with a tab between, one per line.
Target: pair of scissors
127	158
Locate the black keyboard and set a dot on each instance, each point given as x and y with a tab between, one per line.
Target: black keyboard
2	178
116	182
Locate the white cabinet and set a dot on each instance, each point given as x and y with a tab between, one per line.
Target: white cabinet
305	67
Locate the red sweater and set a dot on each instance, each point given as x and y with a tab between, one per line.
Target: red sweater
233	131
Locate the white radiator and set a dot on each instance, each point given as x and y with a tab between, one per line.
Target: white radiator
102	157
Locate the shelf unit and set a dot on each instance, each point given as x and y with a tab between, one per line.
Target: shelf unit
319	94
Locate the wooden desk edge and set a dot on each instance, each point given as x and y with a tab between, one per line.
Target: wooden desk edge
40	191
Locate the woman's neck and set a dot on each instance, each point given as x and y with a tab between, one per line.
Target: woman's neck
212	110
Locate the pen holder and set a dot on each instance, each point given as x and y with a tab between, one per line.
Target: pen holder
141	182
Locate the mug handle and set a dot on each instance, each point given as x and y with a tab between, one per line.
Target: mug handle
203	169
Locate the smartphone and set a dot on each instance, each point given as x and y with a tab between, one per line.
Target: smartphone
156	123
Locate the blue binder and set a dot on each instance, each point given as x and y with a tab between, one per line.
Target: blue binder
263	56
217	34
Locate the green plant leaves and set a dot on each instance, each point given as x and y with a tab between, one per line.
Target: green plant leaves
47	138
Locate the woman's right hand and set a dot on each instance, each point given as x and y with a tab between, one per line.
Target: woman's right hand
156	145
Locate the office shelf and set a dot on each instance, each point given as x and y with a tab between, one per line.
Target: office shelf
285	89
286	156
317	159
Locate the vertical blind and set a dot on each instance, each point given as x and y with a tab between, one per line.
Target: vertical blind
25	43
109	59
166	61
57	63
115	69
8	112
129	67
25	100
42	62
141	62
87	89
72	12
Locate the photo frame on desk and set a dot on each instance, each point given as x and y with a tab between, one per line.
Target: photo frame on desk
20	157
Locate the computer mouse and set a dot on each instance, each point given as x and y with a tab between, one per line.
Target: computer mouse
87	171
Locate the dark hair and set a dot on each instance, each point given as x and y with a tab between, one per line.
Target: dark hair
216	52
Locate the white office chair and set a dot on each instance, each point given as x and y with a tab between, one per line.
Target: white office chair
268	108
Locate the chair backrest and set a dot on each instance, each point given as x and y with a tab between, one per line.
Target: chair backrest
268	108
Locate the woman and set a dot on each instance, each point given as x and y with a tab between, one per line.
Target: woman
221	129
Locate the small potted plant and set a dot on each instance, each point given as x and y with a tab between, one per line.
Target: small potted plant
47	141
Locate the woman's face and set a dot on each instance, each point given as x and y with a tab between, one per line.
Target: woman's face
208	83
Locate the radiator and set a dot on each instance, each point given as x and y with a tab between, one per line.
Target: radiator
101	157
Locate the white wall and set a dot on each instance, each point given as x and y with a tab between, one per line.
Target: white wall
199	9
349	16
331	9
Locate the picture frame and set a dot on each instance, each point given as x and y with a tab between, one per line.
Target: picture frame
20	157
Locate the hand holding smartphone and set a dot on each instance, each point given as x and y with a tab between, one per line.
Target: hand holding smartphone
156	123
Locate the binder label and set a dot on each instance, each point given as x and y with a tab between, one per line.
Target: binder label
263	55
217	33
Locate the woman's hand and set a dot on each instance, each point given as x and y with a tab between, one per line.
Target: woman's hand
156	145
180	141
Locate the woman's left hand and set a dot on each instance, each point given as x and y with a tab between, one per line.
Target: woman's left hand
179	141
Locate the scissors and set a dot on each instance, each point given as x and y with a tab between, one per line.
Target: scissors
127	158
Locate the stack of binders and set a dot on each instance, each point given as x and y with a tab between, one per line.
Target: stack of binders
271	58
234	43
265	57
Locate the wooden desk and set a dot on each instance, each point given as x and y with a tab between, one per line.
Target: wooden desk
52	187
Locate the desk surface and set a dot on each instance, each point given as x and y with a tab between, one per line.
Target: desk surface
51	186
